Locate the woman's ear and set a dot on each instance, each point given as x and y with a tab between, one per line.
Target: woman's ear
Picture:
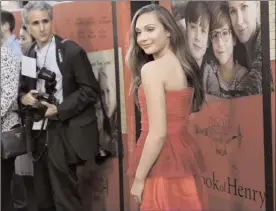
168	34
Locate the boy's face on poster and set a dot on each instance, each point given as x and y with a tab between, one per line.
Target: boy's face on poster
244	15
223	44
151	34
197	39
40	26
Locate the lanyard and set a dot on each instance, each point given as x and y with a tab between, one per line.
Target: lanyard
47	52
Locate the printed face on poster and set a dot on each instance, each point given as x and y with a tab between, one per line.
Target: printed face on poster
104	70
224	38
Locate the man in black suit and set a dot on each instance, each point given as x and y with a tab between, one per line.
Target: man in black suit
68	133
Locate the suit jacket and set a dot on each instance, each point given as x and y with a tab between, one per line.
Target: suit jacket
80	93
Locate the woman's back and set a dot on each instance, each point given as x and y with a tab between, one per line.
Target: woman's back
10	71
180	154
171	72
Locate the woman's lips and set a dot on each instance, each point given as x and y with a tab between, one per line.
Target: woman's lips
146	46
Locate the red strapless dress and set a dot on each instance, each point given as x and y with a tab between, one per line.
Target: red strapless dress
174	181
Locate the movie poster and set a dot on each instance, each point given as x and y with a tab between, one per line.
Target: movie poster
224	38
104	69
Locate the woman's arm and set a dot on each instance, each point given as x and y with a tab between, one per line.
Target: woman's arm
10	71
156	107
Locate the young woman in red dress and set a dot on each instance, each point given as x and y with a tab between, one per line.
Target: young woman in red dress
167	163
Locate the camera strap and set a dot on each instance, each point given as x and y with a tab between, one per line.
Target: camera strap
34	159
44	63
61	56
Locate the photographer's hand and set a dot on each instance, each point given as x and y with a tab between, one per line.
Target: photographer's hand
52	109
29	99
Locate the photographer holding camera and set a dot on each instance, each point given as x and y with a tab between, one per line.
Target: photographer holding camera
58	105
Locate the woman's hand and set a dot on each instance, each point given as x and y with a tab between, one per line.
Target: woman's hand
137	190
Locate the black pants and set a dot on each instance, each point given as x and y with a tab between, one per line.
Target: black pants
7	169
19	192
23	193
55	178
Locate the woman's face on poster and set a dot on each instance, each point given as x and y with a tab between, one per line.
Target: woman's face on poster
197	39
244	16
223	44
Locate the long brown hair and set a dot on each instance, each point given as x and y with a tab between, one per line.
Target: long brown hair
136	57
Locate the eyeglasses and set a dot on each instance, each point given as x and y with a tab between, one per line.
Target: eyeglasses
224	35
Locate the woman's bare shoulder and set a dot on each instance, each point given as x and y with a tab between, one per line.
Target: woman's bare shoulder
152	67
152	71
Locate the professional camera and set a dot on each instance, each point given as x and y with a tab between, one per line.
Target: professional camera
38	110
